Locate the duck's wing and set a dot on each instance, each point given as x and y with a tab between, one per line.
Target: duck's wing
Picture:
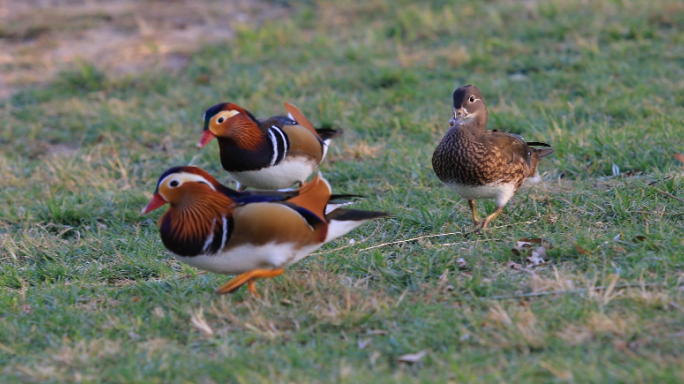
512	147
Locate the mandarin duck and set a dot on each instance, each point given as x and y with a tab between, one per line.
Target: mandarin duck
480	164
252	235
274	153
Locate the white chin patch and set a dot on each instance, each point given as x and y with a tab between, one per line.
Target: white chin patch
467	118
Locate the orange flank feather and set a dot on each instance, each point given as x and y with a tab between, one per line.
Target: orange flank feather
301	119
314	196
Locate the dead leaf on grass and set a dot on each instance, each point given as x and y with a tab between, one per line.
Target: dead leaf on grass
631	173
462	264
638	239
679	157
513	265
527	243
581	250
537	257
197	320
412	357
534	255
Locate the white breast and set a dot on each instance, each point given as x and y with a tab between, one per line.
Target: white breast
248	257
501	192
283	175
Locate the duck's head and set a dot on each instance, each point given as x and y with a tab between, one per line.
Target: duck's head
469	106
179	186
230	121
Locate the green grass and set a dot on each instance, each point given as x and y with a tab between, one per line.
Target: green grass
89	294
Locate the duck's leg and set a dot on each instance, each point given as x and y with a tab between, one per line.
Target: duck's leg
476	219
485	223
248	278
251	288
504	195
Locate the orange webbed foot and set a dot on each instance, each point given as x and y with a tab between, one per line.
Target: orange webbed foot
248	278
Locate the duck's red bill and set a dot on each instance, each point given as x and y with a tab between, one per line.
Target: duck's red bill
206	138
156	202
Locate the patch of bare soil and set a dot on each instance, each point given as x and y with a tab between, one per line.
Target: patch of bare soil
39	38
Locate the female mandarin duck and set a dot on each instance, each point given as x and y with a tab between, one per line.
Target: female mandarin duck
480	164
270	154
253	235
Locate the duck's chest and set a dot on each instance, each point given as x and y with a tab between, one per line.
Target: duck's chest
291	171
463	160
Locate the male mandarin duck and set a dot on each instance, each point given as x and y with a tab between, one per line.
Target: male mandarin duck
480	164
266	154
249	234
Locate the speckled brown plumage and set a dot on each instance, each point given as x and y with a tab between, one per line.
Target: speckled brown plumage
481	164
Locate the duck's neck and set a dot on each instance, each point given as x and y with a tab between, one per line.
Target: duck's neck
186	228
247	147
238	158
474	127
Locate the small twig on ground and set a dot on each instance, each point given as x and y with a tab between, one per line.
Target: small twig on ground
468	242
419	238
446	234
412	239
534	294
348	245
669	195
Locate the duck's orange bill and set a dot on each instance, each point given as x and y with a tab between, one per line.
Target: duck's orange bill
206	138
156	202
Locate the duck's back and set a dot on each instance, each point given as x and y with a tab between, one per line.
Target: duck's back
474	160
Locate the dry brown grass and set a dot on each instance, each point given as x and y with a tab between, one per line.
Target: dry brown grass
39	39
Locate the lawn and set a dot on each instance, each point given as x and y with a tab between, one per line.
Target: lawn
88	293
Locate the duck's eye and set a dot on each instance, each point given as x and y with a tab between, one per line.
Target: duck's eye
221	120
174	183
472	99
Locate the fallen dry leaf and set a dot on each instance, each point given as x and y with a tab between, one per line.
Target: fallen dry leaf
537	257
526	243
638	239
581	250
197	320
541	251
534	255
679	157
514	265
412	357
363	343
461	263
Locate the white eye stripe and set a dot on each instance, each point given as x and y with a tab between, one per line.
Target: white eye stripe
184	177
225	115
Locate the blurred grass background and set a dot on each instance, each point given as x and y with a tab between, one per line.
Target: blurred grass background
89	294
